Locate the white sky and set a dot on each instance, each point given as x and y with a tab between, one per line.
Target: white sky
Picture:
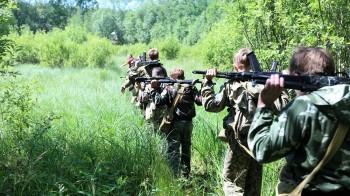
107	3
102	3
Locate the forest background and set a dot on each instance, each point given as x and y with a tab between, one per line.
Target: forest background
64	128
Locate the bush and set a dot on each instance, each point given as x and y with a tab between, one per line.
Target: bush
218	49
27	42
73	47
98	51
21	133
170	47
54	52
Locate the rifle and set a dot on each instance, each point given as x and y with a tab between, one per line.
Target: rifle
274	66
297	82
166	80
143	61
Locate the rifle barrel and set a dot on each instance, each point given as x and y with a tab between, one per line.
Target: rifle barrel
297	82
166	80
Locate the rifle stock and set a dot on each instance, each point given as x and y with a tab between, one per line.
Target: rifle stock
297	82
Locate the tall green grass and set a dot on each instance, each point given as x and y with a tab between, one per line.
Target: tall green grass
86	138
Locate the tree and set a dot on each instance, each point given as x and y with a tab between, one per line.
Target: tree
5	20
86	5
43	16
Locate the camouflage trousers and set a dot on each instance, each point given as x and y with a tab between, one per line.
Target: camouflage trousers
242	174
178	138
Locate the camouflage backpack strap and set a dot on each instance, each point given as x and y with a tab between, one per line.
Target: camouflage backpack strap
336	142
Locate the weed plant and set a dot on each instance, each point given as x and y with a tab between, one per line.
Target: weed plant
80	135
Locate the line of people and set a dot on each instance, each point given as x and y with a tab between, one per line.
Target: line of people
156	98
263	125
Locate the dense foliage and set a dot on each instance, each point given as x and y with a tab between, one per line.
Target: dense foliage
72	47
274	28
214	29
42	16
5	20
81	147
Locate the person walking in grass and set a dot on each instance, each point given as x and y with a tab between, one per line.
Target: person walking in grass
141	70
303	130
179	136
242	174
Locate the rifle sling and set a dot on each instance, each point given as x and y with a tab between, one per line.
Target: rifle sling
336	142
176	100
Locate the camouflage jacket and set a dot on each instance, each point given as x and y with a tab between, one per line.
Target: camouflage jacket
241	99
142	71
146	71
185	109
303	131
153	113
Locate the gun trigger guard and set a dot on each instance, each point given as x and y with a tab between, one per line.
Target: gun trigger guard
194	81
253	83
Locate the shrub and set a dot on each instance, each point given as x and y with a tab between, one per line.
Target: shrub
98	51
170	47
27	42
72	47
53	50
218	49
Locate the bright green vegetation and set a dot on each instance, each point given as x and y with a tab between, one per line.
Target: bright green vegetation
66	129
211	30
72	132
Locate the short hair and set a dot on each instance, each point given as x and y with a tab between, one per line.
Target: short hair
153	54
311	60
240	59
158	72
177	73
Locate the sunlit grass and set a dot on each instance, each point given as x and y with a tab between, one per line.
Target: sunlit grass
98	142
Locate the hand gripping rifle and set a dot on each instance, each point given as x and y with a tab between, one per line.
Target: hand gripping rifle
166	80
297	82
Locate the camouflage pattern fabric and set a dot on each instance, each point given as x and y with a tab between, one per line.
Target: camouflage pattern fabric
242	174
180	135
185	109
153	114
237	162
139	71
302	133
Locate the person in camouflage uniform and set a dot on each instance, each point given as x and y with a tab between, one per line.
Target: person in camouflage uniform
242	174
180	134
153	113
303	129
141	70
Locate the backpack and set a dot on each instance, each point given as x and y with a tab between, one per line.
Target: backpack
153	113
245	97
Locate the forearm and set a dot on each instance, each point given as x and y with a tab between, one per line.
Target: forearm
212	102
266	137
